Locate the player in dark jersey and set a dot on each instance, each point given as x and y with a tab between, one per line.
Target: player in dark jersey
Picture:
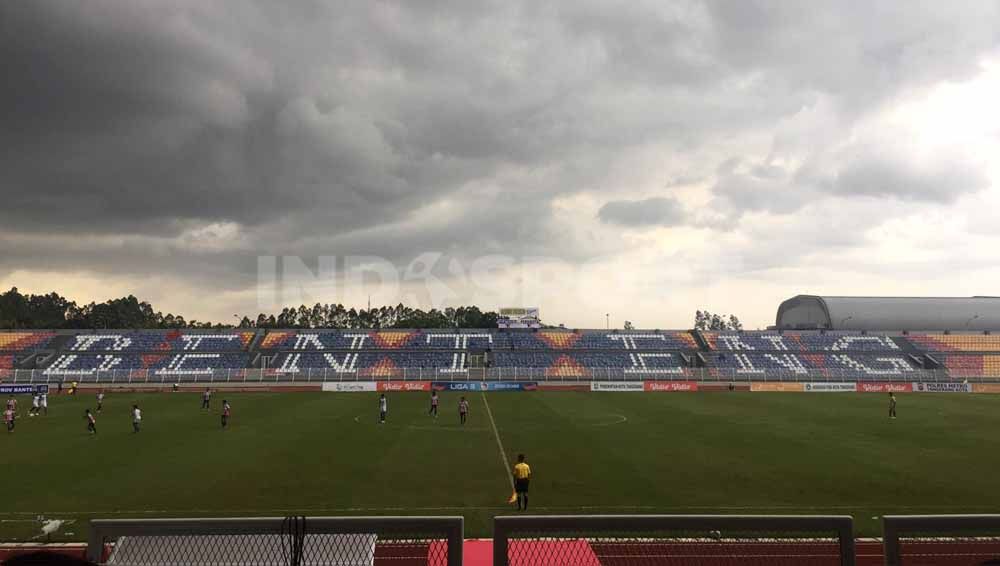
892	405
91	421
463	410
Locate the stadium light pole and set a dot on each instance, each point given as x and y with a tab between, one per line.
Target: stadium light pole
607	321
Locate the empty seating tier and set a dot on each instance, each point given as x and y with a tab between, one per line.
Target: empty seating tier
966	365
160	342
595	340
383	340
371	363
193	363
577	363
955	342
800	342
851	366
24	341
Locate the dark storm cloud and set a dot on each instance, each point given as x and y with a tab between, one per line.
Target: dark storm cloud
322	128
657	211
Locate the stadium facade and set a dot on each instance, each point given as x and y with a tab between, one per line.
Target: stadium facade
952	314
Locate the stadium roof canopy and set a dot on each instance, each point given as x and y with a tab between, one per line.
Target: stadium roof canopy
959	314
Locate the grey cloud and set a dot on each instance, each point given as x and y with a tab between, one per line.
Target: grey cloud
340	128
657	211
932	180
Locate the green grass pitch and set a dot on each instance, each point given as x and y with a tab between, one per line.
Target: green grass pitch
324	454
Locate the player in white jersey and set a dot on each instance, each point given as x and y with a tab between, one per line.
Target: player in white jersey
100	400
463	410
45	403
36	403
136	418
434	404
383	409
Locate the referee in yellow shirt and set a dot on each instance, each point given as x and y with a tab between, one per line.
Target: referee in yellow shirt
522	475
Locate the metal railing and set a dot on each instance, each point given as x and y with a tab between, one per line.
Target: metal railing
941	539
319	375
276	540
645	539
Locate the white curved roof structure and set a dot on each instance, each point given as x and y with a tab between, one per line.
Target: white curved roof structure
959	314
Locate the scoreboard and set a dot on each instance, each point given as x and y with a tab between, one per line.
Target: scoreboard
518	317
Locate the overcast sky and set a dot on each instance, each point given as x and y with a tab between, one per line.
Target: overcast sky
642	159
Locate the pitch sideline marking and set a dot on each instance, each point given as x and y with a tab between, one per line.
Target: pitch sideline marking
496	434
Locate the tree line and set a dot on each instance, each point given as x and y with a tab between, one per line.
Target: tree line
53	311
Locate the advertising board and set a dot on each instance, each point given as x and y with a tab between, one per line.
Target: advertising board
349	386
775	386
942	387
826	387
404	386
671	386
21	389
617	386
885	387
484	386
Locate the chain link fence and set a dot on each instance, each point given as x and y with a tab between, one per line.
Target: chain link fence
666	540
291	541
947	540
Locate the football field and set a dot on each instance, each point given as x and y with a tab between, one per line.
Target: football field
325	454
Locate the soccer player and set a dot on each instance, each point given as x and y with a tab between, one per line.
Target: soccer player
383	408
36	402
463	410
72	388
522	475
434	404
100	400
45	403
136	418
206	397
91	421
8	417
892	405
226	411
12	403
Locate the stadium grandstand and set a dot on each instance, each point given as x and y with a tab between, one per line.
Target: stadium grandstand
851	339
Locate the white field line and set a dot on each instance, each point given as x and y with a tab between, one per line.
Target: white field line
496	434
